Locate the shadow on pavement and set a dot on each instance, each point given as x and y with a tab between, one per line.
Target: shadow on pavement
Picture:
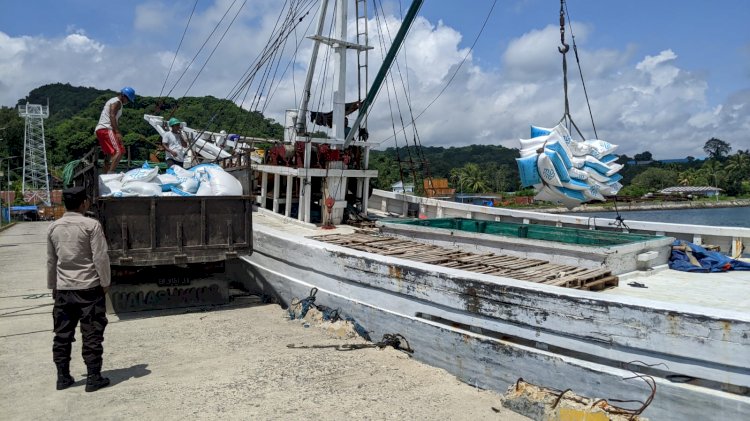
120	375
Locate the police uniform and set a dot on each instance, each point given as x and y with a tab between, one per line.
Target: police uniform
77	272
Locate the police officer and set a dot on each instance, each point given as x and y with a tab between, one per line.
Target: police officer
78	274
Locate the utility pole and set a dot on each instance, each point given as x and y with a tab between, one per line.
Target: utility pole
35	175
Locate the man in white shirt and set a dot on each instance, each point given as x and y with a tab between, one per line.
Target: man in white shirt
108	129
175	145
78	274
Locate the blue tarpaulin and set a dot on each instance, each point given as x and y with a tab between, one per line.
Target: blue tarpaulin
694	258
24	208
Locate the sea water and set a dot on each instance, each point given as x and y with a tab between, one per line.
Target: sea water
726	217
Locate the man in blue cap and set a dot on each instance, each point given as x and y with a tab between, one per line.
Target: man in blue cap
108	129
78	274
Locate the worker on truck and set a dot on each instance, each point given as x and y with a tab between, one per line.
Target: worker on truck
78	274
174	142
108	129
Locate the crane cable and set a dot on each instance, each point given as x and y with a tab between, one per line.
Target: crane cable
580	71
178	49
619	220
567	119
455	72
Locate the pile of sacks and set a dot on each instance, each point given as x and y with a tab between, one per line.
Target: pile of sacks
566	171
200	180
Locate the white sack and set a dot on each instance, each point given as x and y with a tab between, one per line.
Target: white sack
109	183
145	173
222	183
141	188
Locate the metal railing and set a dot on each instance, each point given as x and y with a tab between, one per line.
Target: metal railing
731	240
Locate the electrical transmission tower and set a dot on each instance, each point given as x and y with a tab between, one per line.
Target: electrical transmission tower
35	176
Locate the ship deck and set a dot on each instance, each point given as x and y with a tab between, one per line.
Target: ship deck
722	291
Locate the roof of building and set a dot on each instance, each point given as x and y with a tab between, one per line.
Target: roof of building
690	189
401	184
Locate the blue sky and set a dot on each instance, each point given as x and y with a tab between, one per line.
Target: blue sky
650	66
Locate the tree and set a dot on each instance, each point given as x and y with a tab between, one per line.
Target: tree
691	177
713	172
470	178
738	165
655	178
737	172
645	156
716	148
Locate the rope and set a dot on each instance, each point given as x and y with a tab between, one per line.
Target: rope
68	171
328	313
394	340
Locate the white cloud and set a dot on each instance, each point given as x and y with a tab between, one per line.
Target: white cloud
154	16
640	100
80	44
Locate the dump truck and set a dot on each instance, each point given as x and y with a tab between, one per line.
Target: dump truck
170	251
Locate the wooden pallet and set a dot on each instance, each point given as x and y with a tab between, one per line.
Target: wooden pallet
525	269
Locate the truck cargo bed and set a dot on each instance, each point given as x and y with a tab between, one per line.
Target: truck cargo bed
175	230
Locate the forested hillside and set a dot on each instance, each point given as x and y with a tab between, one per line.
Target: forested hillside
74	112
470	169
491	168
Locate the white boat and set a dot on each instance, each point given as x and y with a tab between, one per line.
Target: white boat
680	346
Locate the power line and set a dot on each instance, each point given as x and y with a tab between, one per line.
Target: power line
484	24
178	49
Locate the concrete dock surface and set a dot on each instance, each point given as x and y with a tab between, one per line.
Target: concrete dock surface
227	363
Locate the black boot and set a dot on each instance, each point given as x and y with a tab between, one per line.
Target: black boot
64	379
95	381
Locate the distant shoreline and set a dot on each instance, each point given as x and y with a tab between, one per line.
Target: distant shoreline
644	206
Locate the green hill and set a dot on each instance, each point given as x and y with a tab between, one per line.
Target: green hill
74	112
69	133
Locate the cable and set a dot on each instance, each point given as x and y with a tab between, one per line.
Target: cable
201	48
580	70
481	30
178	49
215	47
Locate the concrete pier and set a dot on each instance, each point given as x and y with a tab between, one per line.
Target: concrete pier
228	363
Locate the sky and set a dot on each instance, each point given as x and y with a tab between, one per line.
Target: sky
661	76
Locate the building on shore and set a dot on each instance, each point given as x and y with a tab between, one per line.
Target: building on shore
706	191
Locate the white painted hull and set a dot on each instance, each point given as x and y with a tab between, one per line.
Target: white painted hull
508	329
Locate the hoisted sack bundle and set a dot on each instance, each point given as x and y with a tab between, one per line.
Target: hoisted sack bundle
566	171
529	171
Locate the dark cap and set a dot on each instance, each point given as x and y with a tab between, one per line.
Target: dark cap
77	192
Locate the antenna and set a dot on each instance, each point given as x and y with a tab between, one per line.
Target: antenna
35	176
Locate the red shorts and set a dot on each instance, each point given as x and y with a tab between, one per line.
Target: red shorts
109	142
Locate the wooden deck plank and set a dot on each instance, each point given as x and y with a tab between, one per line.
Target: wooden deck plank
525	269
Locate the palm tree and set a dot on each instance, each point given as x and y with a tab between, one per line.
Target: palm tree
473	179
713	170
738	166
691	177
455	177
